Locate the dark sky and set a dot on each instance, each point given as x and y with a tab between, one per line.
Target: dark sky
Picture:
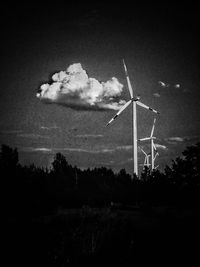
160	42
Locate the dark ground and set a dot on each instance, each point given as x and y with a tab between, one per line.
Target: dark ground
98	237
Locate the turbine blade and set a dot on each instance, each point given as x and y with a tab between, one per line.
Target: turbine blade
119	112
144	139
143	152
145	106
155	148
153	127
156	155
128	80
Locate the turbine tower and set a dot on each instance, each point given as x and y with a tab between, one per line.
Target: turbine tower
133	100
153	147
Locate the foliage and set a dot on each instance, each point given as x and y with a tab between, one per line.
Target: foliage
8	158
35	191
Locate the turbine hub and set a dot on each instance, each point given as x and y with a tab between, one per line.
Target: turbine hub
135	98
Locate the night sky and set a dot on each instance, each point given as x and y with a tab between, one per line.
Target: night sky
158	43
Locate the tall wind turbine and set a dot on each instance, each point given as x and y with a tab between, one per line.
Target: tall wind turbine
153	147
133	100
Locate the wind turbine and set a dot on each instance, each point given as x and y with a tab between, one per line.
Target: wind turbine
133	101
153	147
146	159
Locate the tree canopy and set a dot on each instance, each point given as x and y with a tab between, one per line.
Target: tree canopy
64	185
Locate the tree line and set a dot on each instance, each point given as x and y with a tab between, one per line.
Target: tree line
34	191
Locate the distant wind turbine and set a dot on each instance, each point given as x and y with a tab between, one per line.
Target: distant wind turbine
133	101
153	147
146	159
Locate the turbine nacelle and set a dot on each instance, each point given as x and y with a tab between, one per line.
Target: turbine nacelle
135	98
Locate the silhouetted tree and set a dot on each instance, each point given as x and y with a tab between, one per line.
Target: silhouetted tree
185	175
63	172
123	177
186	170
36	190
8	158
145	175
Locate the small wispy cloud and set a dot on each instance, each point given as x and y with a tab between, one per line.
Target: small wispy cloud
35	149
91	151
77	149
49	128
160	146
89	135
32	136
127	147
43	149
71	149
167	85
176	139
177	85
192	138
156	94
101	150
107	150
66	149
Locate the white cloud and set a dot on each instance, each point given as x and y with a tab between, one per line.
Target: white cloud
101	150
127	147
49	128
35	149
107	150
95	151
43	149
192	138
160	146
166	85
73	88
176	139
77	149
156	94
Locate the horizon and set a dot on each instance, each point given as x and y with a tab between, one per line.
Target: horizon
115	171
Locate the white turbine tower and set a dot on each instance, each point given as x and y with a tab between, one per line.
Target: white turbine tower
146	159
153	147
133	101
